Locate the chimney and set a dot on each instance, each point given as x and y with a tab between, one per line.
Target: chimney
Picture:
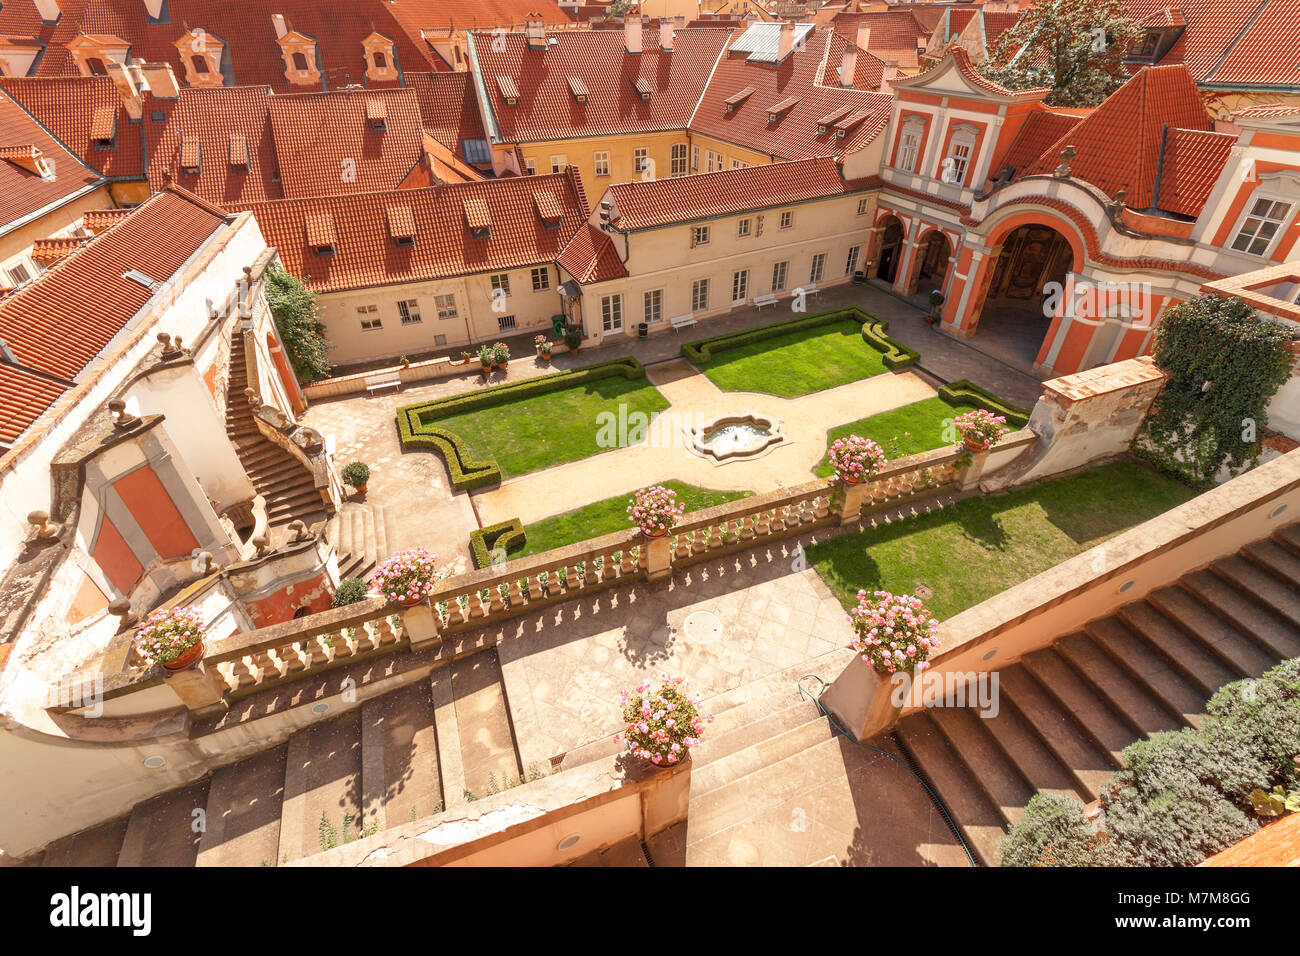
48	9
864	35
535	33
277	21
890	72
632	27
126	88
160	80
786	46
849	65
154	8
666	33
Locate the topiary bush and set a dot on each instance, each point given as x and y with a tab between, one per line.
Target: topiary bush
1053	832
965	392
349	591
507	535
356	474
1225	364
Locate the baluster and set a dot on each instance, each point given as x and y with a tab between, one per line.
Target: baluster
345	644
715	536
821	506
241	673
626	565
762	524
455	613
610	566
591	575
388	631
516	598
571	577
274	660
642	556
496	602
681	545
476	607
699	540
296	657
554	584
747	527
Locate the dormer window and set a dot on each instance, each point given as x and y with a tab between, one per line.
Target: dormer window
509	91
191	154
850	123
238	151
321	236
401	226
380	60
29	158
733	102
103	127
549	210
93	52
778	110
830	119
201	53
578	89
477	217
300	62
299	53
643	88
377	113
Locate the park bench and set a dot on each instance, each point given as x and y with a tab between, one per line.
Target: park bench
767	298
683	321
391	379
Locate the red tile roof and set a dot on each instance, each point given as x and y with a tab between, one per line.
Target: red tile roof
868	73
895	34
794	135
24	192
417	15
1041	129
68	106
1193	161
547	109
1268	52
663	202
57	324
24	397
592	257
367	256
448	107
962	61
1119	146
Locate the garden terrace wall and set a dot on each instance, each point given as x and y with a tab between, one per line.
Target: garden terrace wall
874	329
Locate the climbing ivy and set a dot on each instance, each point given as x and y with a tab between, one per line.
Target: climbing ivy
1225	364
297	317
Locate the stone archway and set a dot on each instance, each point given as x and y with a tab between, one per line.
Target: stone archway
891	249
930	264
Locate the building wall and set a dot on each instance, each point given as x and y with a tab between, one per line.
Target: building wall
16	245
581	152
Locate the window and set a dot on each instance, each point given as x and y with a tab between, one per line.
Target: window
960	149
852	263
559	163
501	283
740	286
541	279
640	160
679	159
505	323
863	206
780	272
743	227
700	295
300	63
369	316
323	252
602	163
818	268
1261	226
654	306
19	274
446	306
440	340
611	312
199	64
409	310
699	235
530	166
380	61
715	161
404	242
787	220
909	144
695	158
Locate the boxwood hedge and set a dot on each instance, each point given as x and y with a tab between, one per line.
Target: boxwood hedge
874	332
509	535
966	392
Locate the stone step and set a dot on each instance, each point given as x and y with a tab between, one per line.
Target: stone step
96	846
1256	621
1207	627
1276	560
322	787
1289	538
400	781
1089	764
377	543
1111	681
1148	667
1000	779
166	830
715	746
1108	728
1023	745
1277	594
243	819
487	747
974	813
809	728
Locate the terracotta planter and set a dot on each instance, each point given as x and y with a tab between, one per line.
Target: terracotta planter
974	444
361	490
850	481
409	602
659	767
186	660
657	534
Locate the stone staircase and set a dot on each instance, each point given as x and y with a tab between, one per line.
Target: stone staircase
360	534
1066	712
281	478
434	744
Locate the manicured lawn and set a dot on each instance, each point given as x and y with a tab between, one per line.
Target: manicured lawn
531	433
901	431
797	363
979	547
610	515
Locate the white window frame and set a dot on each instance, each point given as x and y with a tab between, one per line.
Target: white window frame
601	163
541	276
640	160
1261	220
500	280
446	306
530	165
700	295
864	206
679	160
961	150
369	324
559	162
818	270
851	263
409	311
909	143
700	235
780	275
611	313
786	220
740	286
744	228
652	305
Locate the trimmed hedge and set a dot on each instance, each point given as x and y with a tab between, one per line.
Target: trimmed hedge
417	428
874	329
504	534
966	392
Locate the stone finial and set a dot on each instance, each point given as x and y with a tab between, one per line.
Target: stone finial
253	398
1063	171
122	419
213	314
171	347
43	529
298	531
1115	208
121	609
206	563
263	545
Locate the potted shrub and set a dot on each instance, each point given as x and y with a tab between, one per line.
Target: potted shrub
406	362
172	637
573	339
936	303
980	428
893	632
544	347
663	724
357	474
856	459
500	355
349	591
406	577
655	510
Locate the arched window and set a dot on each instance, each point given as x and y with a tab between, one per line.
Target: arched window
300	62
961	153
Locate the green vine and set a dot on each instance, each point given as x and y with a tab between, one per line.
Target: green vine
297	318
1225	364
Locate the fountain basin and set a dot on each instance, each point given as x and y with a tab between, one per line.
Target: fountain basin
735	437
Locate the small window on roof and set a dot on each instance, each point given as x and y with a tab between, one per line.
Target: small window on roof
476	151
377	113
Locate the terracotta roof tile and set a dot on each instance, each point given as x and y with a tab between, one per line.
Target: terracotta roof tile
97	220
23	191
55	248
24	397
591	257
367	256
1267	53
689	198
320	229
1041	129
1193	161
401	222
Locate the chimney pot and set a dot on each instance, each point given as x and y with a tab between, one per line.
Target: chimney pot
864	35
632	28
666	33
48	9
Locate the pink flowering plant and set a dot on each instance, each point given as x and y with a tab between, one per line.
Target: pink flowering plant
655	510
664	724
855	458
168	633
980	427
406	576
893	632
543	345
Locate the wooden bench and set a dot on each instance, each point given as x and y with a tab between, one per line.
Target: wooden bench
810	290
386	380
767	298
680	322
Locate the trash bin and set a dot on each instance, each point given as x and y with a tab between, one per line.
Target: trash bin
557	325
642	330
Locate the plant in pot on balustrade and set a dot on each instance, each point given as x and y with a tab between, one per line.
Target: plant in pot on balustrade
655	510
856	459
979	428
407	577
893	632
172	637
357	474
544	347
663	724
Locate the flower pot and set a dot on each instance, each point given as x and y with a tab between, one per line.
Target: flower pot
654	534
658	767
410	602
974	444
502	365
186	660
850	481
361	490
